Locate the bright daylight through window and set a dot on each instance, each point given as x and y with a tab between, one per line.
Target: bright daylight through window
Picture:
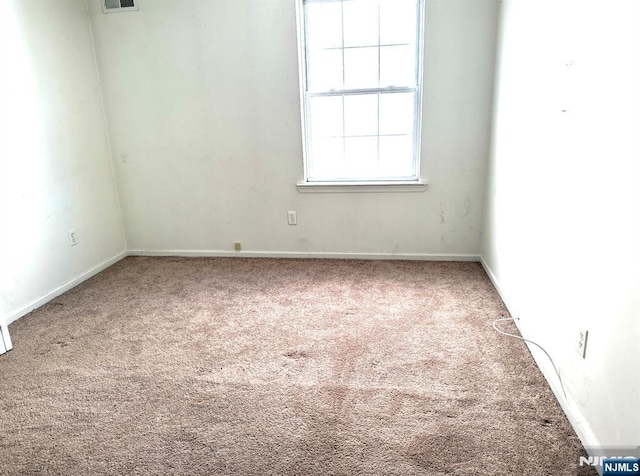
361	86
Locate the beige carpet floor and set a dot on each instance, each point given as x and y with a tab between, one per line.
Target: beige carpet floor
277	367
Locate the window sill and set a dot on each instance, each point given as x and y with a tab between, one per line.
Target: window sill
367	187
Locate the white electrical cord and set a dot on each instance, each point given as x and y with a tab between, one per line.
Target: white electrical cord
531	342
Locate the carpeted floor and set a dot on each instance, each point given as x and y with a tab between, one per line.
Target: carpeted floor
282	367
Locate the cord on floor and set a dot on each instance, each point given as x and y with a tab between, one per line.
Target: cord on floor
533	343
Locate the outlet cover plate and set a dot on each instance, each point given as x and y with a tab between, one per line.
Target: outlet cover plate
583	335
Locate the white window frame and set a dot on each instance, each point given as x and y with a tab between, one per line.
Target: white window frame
414	183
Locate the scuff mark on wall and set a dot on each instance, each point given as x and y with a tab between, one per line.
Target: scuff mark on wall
467	206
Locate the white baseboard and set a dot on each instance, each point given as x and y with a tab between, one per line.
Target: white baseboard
64	288
494	281
312	254
575	417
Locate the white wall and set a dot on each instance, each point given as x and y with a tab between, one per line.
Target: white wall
55	167
202	102
562	232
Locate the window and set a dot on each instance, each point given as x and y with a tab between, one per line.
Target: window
111	6
361	81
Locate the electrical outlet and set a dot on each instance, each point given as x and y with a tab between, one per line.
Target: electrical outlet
238	246
292	218
582	342
73	238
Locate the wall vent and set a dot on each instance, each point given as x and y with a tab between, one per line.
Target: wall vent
113	6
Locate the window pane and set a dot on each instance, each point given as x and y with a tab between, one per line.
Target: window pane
361	157
324	25
356	45
326	116
397	113
361	68
360	23
398	21
327	157
397	66
361	115
325	70
396	156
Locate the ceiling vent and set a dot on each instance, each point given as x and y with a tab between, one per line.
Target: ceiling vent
113	6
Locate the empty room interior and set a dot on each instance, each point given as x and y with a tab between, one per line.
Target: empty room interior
300	237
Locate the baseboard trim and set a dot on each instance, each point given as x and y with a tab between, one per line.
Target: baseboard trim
575	417
494	281
307	255
64	288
